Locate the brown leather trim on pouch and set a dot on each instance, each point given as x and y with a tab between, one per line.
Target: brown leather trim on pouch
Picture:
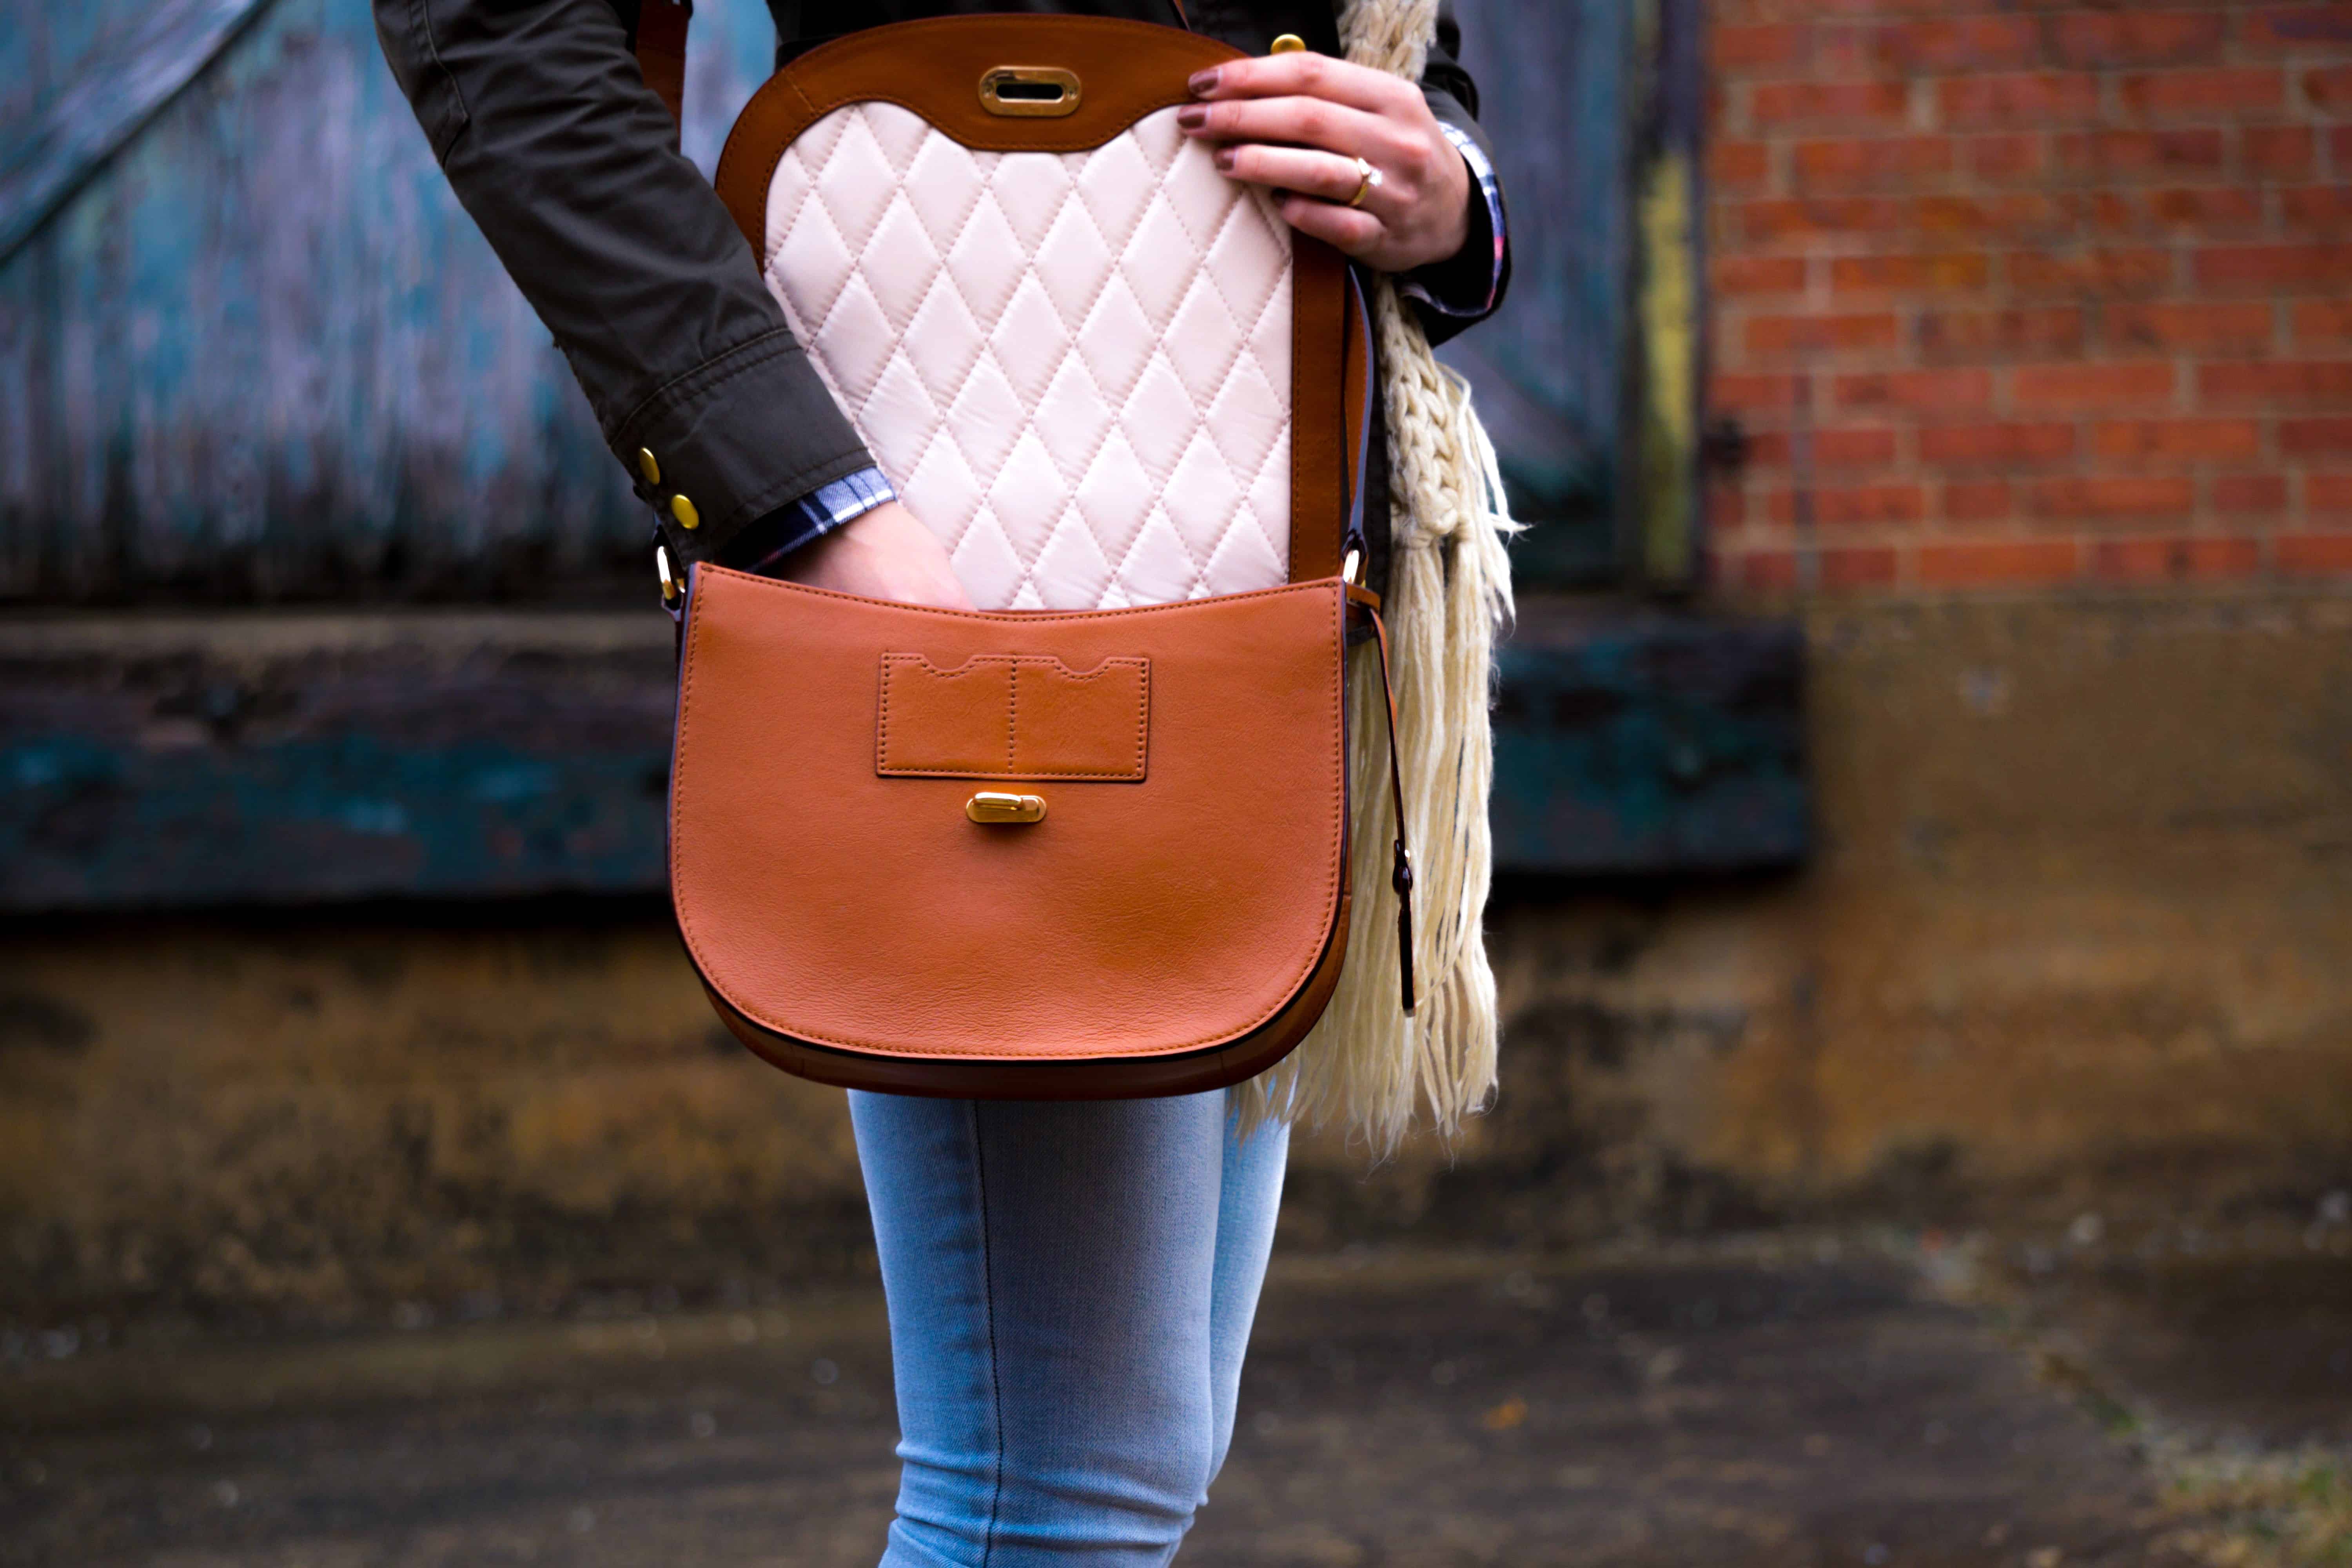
933	66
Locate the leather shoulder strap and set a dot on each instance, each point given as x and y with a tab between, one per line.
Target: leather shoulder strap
661	50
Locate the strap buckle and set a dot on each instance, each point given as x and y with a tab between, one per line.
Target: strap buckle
673	586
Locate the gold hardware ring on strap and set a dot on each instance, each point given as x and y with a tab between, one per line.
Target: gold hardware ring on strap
1034	92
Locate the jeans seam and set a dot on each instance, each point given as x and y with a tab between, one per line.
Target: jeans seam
995	1388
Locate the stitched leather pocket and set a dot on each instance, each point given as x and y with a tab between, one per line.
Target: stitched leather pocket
1013	716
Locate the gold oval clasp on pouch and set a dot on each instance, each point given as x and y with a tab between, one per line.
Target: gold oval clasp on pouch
997	805
1039	92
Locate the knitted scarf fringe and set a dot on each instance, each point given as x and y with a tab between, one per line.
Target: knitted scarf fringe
1367	1062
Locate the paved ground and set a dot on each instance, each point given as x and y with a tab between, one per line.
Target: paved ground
1789	1402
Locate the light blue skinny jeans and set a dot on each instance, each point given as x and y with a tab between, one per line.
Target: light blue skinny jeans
1071	1287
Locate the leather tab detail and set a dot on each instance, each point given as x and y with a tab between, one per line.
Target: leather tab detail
933	66
1013	716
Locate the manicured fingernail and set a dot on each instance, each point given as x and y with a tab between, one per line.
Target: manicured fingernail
1192	117
1203	82
1223	159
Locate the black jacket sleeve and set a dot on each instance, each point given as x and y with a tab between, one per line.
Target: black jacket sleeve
567	161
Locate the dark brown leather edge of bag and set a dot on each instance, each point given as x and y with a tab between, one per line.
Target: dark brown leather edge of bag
1133	1079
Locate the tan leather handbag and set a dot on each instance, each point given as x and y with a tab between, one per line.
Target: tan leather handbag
1091	840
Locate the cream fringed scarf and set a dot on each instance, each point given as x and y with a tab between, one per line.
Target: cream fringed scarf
1449	588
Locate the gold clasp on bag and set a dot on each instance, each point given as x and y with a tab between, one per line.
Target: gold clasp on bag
995	806
1037	92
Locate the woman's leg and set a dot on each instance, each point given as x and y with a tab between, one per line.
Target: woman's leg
1246	1205
1070	1290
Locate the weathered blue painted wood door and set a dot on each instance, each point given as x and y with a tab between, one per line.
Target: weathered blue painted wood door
250	346
1556	83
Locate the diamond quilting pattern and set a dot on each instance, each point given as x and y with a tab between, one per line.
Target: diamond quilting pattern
1074	367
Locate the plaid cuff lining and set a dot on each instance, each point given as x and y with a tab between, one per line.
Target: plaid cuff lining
1490	190
818	513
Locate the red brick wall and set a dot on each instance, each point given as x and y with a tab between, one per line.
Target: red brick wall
2039	294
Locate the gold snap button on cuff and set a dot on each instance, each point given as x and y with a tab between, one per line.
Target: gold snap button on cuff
683	509
648	465
1289	43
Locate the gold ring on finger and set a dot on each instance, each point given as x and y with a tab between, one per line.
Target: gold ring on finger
1368	180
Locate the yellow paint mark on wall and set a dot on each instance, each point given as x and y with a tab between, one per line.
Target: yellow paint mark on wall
1669	319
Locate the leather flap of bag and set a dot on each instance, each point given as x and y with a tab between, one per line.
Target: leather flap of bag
1103	373
1176	889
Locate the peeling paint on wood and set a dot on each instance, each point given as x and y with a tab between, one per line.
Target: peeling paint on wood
1548	374
47	156
261	353
209	761
1672	321
1650	743
1670	364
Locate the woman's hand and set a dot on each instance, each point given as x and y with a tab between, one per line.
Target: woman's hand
1298	122
882	553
